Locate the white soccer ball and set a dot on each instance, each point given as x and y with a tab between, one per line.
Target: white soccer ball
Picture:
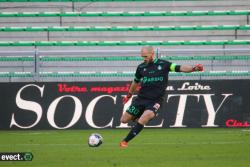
95	140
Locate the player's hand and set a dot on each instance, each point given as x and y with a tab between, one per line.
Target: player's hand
198	67
126	98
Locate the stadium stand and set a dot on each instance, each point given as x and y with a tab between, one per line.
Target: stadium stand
50	40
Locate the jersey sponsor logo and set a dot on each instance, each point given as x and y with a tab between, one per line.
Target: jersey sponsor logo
152	79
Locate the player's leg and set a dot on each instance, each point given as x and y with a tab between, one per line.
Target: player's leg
132	113
149	113
137	128
126	117
146	117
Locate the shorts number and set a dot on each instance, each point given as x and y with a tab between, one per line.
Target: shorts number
133	110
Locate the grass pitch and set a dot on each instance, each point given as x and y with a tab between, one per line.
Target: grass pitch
152	148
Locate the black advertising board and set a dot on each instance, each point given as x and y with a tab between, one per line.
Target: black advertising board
84	105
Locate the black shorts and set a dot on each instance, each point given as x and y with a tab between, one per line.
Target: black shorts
139	105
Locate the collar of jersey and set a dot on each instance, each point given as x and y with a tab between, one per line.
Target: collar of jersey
156	59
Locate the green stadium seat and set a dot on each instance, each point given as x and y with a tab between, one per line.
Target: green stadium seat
123	43
66	17
127	28
124	58
89	0
116	74
124	14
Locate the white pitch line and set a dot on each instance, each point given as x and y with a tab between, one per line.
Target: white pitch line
193	143
244	130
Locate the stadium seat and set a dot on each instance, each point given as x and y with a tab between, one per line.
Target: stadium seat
65	24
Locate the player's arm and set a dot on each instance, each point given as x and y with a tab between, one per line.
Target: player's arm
186	68
133	86
131	91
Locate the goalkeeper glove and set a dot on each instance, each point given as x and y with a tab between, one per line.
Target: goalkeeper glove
198	67
126	98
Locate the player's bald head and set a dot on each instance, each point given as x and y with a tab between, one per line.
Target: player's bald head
147	49
147	53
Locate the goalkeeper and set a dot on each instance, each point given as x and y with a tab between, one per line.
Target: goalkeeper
152	74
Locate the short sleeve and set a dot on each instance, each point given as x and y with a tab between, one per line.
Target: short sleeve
138	75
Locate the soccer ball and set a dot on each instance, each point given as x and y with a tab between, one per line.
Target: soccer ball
95	140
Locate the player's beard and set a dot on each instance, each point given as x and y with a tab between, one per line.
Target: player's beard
149	61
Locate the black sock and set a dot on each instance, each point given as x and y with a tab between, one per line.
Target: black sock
134	131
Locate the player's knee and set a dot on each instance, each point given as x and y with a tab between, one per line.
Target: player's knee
124	120
145	118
